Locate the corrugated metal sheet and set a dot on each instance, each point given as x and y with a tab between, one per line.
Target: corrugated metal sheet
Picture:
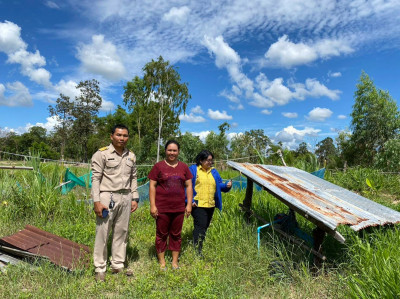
6	259
58	250
320	201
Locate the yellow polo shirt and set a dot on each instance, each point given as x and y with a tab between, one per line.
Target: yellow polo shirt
205	187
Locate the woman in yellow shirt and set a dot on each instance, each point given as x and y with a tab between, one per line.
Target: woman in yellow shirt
207	186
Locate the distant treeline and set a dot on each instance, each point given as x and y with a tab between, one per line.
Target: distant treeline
154	103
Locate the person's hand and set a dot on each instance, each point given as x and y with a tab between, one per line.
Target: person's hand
154	211
134	206
229	184
194	205
188	210
98	208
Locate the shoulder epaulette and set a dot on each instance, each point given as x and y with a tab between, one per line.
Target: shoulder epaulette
103	148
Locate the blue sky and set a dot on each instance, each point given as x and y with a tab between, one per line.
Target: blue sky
287	67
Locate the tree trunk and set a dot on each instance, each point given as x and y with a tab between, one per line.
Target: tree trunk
139	130
159	135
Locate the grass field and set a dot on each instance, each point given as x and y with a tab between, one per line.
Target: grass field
365	267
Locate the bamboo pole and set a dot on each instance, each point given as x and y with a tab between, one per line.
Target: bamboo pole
15	167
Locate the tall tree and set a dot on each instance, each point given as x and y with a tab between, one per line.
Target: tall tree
190	146
136	99
85	108
62	111
375	120
302	149
326	150
162	86
218	143
250	144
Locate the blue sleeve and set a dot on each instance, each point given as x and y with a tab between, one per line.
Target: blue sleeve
222	185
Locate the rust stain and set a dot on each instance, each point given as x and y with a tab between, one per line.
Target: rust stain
306	197
60	251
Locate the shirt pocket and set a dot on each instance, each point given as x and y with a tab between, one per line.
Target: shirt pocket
128	168
111	167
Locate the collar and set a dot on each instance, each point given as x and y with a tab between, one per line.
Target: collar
112	149
201	168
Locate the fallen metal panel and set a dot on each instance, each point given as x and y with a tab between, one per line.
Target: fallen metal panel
58	250
322	202
8	259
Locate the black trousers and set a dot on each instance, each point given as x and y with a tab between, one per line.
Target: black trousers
201	219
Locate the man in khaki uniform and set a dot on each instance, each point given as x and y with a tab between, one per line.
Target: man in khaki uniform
114	190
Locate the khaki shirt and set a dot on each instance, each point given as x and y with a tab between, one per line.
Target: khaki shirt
112	172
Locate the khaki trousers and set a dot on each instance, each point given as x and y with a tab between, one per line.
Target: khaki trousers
117	221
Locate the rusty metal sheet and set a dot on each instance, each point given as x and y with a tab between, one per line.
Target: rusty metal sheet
323	203
58	250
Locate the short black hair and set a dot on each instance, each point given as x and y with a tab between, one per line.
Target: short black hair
119	126
203	155
172	141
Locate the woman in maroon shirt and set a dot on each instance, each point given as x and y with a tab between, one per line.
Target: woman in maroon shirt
168	180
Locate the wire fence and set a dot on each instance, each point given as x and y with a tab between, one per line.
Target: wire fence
138	165
216	162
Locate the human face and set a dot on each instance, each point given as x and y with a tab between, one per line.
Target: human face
171	153
120	138
207	163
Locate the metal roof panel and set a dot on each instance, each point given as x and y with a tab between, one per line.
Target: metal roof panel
60	251
322	202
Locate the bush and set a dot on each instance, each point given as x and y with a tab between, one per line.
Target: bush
388	158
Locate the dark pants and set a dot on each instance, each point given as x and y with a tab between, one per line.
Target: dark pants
169	225
201	219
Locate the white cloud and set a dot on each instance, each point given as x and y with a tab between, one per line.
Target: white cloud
313	88
217	115
136	26
265	93
341	116
29	63
101	57
202	135
288	54
232	135
49	125
67	88
52	4
12	44
290	136
224	54
19	95
290	114
274	90
237	107
327	48
177	15
10	38
107	106
197	109
234	125
335	75
191	118
319	114
266	111
231	97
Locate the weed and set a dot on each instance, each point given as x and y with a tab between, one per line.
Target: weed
367	266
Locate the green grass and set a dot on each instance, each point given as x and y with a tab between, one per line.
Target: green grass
367	266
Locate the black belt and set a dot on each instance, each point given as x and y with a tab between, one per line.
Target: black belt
122	191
